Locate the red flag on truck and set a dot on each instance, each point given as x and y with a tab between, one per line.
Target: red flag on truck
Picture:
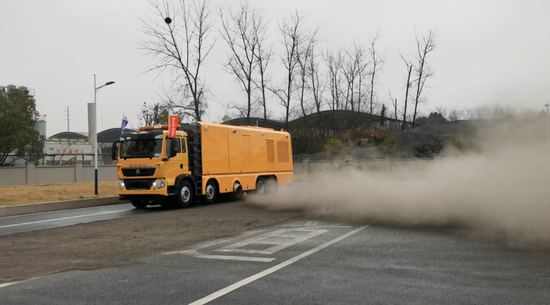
172	124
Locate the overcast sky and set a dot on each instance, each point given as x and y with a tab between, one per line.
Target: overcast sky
488	51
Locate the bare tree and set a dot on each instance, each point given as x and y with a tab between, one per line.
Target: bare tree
442	110
376	63
317	86
487	112
455	115
239	32
394	104
502	111
354	68
293	37
178	39
409	68
334	62
263	56
305	54
423	71
478	113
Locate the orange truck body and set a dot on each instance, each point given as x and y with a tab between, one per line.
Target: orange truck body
231	158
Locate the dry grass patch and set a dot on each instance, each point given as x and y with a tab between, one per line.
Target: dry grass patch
24	194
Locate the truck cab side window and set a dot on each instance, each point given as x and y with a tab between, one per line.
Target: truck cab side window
176	145
172	145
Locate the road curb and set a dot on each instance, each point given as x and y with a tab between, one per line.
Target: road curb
57	206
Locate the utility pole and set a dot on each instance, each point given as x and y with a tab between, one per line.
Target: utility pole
547	123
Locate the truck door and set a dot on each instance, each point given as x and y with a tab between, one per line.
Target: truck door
179	164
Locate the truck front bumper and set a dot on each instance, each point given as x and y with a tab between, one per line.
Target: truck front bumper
142	187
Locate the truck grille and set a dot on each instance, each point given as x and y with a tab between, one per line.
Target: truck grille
139	184
138	171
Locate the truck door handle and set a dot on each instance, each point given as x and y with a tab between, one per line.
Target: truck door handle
181	165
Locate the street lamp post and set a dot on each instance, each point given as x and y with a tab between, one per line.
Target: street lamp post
95	124
547	123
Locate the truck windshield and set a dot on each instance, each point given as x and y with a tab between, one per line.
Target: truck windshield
147	148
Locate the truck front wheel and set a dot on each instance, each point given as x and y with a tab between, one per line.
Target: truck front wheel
185	194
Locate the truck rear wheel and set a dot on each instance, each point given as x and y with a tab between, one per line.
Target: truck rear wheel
237	191
271	185
185	194
260	186
140	204
210	192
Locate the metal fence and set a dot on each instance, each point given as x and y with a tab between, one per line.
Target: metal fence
80	171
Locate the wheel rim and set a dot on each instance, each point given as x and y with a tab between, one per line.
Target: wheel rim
210	191
260	187
271	185
185	194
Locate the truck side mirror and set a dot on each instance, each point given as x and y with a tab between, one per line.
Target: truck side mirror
114	150
174	147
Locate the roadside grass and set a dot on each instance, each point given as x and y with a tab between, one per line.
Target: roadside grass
25	194
50	192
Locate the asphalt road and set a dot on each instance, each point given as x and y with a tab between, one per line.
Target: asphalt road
49	220
40	221
305	261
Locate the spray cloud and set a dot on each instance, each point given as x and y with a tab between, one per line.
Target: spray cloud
501	191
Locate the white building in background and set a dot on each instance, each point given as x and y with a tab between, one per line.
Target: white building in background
67	147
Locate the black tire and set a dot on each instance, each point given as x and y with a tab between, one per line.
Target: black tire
140	204
260	186
210	192
184	196
271	185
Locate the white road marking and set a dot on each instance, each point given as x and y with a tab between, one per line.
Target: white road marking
312	223
51	212
56	219
13	283
319	226
194	253
266	272
214	242
278	240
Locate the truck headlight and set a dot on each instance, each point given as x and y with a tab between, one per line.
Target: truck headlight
158	184
120	184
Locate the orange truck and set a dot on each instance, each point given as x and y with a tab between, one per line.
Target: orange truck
204	160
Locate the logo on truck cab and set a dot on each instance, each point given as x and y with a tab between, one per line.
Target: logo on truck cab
138	165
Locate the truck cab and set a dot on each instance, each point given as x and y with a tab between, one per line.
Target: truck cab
148	164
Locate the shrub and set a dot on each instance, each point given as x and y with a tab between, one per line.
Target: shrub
391	147
457	141
333	148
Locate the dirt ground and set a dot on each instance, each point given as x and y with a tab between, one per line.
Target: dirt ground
24	194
